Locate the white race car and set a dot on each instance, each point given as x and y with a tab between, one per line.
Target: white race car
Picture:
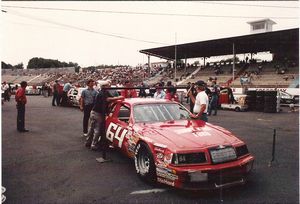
74	96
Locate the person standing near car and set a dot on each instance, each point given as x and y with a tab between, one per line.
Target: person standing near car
201	102
192	90
5	89
160	93
21	100
55	93
214	92
87	101
97	118
66	89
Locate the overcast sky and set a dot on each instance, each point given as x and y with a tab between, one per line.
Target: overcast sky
118	30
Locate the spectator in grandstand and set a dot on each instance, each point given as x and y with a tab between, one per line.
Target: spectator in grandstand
171	94
160	93
128	93
201	102
21	100
214	99
285	78
87	101
97	119
66	89
55	93
260	67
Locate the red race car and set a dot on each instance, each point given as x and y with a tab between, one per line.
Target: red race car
171	148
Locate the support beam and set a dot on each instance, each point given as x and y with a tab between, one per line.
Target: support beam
185	65
175	64
233	62
149	66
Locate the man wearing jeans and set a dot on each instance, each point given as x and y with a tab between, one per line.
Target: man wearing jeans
97	117
87	102
201	102
21	100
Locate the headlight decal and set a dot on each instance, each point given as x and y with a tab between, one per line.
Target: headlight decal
189	158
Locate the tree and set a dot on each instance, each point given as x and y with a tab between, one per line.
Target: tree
6	66
19	66
35	63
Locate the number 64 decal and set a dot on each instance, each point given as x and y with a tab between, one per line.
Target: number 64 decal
113	131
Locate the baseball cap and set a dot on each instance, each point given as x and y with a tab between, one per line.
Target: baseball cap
200	83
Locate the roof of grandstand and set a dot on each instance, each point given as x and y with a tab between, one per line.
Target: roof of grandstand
276	41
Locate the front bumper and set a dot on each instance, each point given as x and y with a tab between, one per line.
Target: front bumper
211	176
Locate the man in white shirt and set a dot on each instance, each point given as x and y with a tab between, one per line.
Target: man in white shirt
159	94
5	89
201	102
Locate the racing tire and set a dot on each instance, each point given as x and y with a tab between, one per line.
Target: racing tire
237	109
144	163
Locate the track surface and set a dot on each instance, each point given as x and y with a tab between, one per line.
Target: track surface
51	165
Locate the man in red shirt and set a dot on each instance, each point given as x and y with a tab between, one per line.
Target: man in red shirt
21	100
128	93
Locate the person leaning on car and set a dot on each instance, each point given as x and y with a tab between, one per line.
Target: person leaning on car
201	101
87	100
97	117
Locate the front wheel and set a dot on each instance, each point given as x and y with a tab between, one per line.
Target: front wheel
144	163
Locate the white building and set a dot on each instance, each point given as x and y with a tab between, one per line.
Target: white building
260	26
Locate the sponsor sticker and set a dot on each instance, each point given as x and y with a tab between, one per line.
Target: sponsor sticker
164	173
165	181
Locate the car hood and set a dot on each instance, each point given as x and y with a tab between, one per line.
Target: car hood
186	135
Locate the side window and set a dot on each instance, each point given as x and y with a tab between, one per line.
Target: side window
124	114
111	109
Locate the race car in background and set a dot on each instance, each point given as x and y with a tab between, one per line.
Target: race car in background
286	98
74	96
171	148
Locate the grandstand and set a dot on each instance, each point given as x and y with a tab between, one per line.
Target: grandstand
282	71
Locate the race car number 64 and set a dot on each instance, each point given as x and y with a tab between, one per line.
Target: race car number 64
113	131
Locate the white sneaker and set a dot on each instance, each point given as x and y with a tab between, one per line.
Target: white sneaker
85	135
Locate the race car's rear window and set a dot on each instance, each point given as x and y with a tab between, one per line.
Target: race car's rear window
159	112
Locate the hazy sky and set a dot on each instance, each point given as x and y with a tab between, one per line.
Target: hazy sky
95	33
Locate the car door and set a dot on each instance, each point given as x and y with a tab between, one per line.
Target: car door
118	128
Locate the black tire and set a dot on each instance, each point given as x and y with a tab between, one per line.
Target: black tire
237	109
144	163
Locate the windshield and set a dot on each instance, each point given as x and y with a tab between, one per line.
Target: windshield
159	112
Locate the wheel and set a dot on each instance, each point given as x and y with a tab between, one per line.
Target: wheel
237	109
144	163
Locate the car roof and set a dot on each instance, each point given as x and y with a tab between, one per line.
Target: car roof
134	101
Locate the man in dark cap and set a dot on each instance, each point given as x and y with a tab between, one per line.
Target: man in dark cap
201	102
21	100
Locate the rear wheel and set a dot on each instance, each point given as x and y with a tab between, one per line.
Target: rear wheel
237	109
144	163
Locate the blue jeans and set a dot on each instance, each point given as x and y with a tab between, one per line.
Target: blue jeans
203	117
213	105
